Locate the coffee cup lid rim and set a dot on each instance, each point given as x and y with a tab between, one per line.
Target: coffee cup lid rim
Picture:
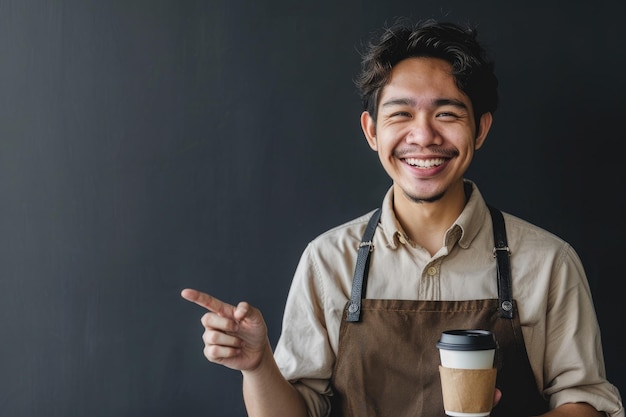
463	339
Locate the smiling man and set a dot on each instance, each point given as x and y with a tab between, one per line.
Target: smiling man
370	298
425	135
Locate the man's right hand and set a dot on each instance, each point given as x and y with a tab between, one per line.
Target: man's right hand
234	336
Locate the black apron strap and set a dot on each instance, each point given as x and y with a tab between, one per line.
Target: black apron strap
360	271
502	253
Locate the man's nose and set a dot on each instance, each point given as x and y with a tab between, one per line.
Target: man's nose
421	131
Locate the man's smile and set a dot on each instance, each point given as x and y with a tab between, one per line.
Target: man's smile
424	163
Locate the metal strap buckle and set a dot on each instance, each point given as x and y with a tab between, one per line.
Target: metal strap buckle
368	243
506	248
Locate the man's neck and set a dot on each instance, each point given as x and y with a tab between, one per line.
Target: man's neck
426	223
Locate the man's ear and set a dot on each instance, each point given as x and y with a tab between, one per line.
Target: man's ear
369	130
483	128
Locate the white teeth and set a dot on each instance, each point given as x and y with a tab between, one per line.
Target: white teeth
424	163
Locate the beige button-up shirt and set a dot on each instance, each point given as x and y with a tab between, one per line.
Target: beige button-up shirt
556	310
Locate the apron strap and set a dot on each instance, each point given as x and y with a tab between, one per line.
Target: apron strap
502	253
360	271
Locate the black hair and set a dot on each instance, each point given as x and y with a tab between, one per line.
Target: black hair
472	69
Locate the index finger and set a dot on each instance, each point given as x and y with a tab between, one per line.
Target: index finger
209	302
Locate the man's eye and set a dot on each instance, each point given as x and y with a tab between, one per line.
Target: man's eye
401	114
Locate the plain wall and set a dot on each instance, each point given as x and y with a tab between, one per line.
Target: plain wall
148	146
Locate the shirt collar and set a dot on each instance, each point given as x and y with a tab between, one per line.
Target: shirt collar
464	230
472	218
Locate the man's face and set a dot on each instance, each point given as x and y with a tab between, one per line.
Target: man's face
425	133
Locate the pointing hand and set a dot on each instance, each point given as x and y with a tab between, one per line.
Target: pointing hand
234	336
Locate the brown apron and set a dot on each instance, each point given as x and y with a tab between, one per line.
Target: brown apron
387	361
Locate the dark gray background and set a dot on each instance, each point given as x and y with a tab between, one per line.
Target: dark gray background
148	146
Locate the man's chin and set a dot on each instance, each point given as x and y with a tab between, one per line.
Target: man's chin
423	197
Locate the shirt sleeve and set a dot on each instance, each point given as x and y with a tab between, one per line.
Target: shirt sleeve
303	352
574	369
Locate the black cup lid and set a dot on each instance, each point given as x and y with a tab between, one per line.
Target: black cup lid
467	340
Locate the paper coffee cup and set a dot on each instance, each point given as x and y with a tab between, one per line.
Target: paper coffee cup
467	374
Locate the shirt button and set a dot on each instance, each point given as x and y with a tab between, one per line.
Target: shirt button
431	271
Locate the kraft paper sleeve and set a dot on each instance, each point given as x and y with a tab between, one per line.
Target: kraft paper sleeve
467	390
